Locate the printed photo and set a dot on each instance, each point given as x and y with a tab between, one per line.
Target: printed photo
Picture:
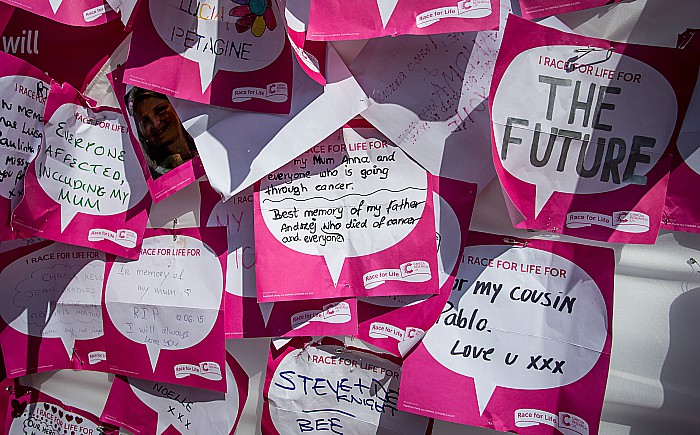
164	141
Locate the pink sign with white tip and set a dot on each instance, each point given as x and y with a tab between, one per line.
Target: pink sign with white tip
72	12
85	186
244	316
583	130
523	341
163	313
533	9
325	386
353	215
681	211
221	52
154	408
311	55
23	92
39	40
362	19
52	317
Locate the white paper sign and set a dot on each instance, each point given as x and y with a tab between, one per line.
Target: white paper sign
342	191
549	301
55	292
341	390
166	301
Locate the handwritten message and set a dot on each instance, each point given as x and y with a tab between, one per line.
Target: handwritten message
330	388
55	292
169	299
190	410
329	200
220	35
430	96
236	215
87	163
21	130
519	318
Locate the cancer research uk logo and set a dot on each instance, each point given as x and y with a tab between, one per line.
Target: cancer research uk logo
624	221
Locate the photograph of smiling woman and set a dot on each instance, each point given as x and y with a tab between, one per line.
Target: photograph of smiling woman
165	142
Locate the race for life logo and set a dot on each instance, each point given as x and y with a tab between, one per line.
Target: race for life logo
624	221
208	370
95	13
274	92
126	238
565	422
97	356
412	271
331	313
384	330
463	9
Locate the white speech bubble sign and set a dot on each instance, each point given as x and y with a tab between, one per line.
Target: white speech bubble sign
21	129
349	391
59	297
386	185
45	418
637	109
476	320
202	411
88	165
205	33
162	301
449	238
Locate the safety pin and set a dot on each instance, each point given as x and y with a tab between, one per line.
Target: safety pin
589	49
666	218
174	235
306	346
686	37
569	66
75	355
514	242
